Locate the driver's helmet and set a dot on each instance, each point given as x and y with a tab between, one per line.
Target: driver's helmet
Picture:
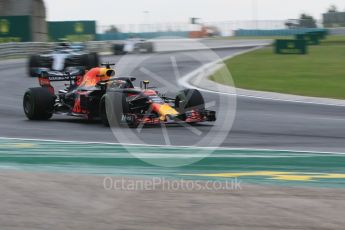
118	84
63	46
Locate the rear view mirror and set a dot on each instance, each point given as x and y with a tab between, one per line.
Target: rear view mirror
110	73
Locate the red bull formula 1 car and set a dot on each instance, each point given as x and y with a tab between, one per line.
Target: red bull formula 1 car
97	94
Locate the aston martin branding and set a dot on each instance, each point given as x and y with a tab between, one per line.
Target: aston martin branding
74	31
291	45
79	27
4	26
15	29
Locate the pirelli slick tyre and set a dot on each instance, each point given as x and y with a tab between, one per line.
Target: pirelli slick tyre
189	99
104	103
118	49
38	104
112	107
145	47
90	60
94	60
149	48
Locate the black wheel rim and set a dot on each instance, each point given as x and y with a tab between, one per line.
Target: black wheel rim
27	104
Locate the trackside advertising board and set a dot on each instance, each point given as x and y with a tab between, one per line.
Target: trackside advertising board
72	30
15	29
291	46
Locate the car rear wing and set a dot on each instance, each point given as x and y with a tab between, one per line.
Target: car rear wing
61	76
46	77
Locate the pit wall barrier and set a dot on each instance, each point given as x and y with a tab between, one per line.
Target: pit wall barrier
147	35
280	32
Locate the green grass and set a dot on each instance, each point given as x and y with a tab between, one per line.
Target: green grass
321	73
333	40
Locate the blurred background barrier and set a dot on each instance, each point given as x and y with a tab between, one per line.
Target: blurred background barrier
84	30
280	32
336	31
22	49
25	21
143	35
217	28
299	45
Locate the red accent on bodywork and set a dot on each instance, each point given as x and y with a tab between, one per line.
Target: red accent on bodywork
155	107
45	82
194	117
77	107
91	78
148	120
150	92
77	104
51	89
78	80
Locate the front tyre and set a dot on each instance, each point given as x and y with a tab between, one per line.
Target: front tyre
38	104
189	99
113	107
103	110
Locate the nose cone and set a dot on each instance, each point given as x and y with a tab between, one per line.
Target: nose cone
164	110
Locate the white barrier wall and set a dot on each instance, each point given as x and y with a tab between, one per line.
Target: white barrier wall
24	49
337	31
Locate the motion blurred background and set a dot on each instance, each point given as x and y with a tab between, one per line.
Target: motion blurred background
49	20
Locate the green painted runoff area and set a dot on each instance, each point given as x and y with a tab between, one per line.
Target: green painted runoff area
250	166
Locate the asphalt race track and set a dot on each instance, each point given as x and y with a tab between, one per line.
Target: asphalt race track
258	123
60	185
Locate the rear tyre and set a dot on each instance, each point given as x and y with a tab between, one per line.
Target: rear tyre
38	104
94	60
146	46
90	61
150	48
189	99
118	49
